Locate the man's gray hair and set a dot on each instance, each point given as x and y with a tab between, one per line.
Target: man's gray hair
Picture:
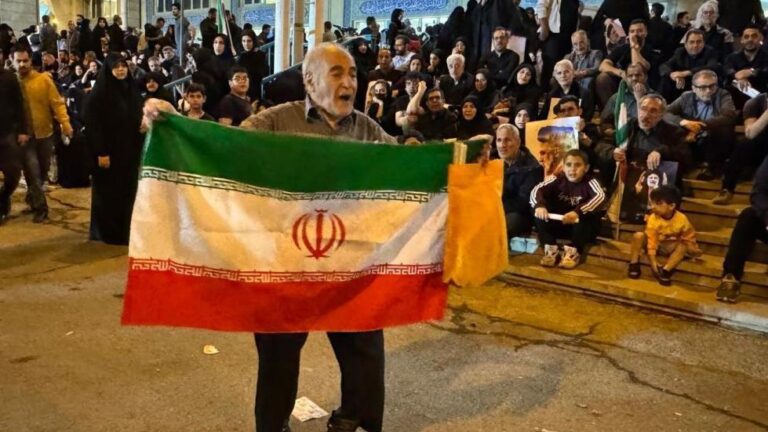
564	62
656	96
454	57
510	128
316	55
706	73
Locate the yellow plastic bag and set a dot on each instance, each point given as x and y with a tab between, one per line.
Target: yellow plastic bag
476	233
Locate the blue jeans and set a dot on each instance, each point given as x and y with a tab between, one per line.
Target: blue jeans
37	161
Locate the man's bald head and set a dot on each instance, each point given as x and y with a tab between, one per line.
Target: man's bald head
330	79
320	56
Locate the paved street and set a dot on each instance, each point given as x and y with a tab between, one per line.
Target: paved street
506	358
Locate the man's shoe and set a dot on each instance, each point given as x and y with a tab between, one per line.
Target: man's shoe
339	424
40	216
633	271
551	253
570	259
706	175
729	289
664	276
723	198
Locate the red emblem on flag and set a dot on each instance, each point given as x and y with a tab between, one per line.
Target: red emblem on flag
329	231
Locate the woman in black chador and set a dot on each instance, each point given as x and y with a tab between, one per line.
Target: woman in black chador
113	122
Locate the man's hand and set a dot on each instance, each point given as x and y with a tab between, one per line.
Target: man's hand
422	88
103	162
570	218
654	159
541	213
619	155
544	32
743	75
67	131
634	43
680	83
22	139
743	84
693	125
639	90
153	108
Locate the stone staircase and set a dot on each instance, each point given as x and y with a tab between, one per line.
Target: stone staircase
692	294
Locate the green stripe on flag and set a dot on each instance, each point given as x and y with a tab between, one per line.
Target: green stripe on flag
294	163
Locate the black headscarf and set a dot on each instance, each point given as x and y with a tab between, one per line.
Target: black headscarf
161	92
114	108
486	98
454	26
530	93
365	62
395	26
531	110
480	124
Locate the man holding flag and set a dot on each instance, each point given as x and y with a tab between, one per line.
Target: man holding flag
330	82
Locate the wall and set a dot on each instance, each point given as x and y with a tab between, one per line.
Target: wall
19	14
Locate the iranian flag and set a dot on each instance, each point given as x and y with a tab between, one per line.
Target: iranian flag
244	231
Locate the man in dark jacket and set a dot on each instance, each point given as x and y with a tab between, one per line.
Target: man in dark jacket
522	172
500	61
747	68
751	225
437	123
14	133
694	56
708	115
48	36
208	29
650	140
457	84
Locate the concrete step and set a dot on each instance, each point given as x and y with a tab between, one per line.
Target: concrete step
711	242
704	271
692	301
706	216
708	190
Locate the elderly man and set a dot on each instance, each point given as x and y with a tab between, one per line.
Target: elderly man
458	83
692	57
635	51
558	19
650	140
522	172
385	70
501	61
586	62
636	78
747	68
45	104
566	86
329	75
747	153
708	114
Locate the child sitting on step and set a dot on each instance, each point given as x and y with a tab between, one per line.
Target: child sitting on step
566	207
667	232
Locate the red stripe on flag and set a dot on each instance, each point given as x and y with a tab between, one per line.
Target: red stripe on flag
365	303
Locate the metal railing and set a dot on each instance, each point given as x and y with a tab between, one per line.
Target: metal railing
269	79
178	86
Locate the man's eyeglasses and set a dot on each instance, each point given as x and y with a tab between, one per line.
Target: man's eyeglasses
705	87
239	78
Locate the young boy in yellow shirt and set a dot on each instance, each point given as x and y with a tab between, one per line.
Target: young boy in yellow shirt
667	232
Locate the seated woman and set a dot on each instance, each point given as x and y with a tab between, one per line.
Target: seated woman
472	121
522	87
485	91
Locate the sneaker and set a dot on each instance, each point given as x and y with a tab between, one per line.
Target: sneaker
729	289
40	216
633	271
570	258
664	276
551	253
724	197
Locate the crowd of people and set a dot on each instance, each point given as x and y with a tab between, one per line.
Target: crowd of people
647	91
